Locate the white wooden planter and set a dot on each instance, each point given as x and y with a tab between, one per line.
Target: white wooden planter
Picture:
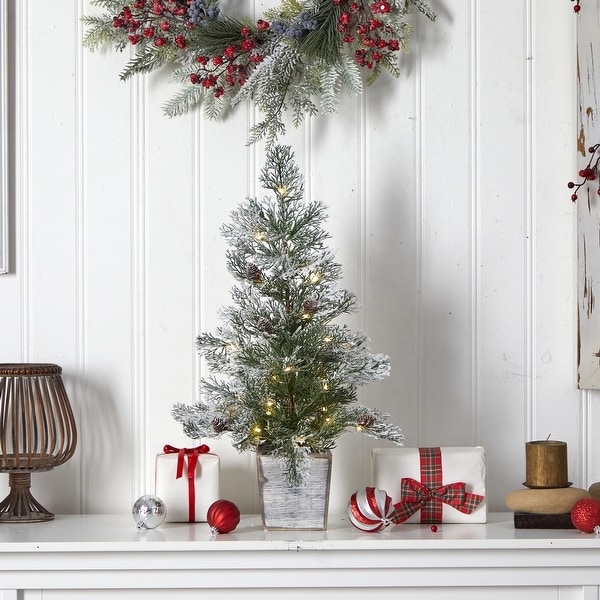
303	507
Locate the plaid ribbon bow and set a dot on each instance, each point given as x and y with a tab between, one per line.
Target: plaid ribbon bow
429	494
192	455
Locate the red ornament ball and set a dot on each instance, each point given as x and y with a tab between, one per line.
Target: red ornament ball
223	516
434	528
585	514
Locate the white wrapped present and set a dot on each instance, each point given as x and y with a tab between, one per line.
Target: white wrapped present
187	481
433	485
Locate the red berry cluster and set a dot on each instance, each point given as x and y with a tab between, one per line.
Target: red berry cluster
362	29
234	65
156	21
589	173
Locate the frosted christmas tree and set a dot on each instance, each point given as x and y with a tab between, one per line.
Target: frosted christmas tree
284	376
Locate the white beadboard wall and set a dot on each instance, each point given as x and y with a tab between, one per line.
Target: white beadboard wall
448	210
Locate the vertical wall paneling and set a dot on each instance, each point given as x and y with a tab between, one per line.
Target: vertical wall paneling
529	238
79	383
333	166
417	151
229	170
503	275
475	241
368	245
586	446
111	475
12	331
446	263
447	209
52	193
555	403
3	139
139	283
23	175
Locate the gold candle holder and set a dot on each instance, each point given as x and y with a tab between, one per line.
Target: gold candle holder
546	464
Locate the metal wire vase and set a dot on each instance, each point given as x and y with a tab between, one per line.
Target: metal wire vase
37	433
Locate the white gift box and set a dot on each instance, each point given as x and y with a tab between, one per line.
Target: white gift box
177	492
459	464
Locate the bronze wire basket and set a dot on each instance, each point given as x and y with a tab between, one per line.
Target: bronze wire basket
37	433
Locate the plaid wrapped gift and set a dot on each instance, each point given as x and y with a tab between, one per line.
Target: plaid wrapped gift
187	481
433	485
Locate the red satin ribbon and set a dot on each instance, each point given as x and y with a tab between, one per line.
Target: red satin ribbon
429	494
192	455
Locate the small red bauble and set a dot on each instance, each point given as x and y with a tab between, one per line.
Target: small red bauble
434	528
223	516
585	514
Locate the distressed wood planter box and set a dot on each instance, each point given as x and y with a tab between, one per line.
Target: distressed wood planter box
303	507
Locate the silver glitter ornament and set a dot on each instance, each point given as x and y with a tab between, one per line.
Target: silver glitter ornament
149	512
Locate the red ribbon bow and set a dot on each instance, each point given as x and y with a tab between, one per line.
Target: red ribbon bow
429	494
192	455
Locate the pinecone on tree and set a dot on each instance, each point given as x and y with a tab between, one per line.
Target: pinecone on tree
253	273
263	324
219	424
365	421
310	306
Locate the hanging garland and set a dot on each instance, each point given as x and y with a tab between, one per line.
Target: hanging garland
298	52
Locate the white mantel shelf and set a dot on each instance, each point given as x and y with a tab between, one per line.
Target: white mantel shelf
107	552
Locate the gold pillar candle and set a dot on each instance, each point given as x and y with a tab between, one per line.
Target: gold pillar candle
546	463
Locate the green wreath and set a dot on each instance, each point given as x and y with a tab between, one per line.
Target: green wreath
300	51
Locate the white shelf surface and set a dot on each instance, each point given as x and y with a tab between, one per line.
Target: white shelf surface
109	533
109	552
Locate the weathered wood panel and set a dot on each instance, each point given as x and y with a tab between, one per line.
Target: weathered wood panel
588	203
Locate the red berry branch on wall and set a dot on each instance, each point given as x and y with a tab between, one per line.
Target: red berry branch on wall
588	173
300	51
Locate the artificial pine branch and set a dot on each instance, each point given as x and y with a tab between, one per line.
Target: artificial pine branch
99	31
350	75
147	59
331	83
324	41
213	107
423	7
215	35
181	102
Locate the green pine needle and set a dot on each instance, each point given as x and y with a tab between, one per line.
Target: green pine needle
324	41
184	101
148	59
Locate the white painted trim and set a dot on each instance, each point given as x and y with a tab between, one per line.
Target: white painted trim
3	139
